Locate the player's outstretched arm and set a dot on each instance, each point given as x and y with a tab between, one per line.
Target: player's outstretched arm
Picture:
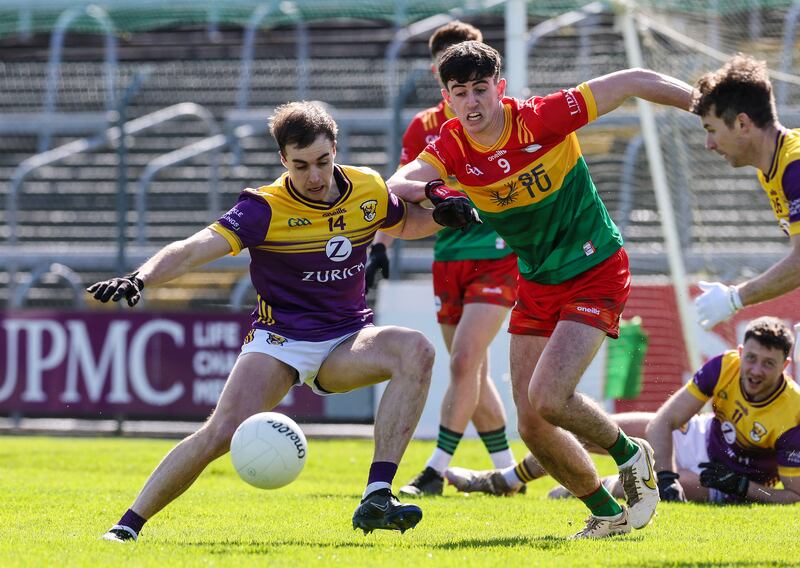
719	301
716	475
173	260
418	224
786	496
611	90
673	414
408	182
780	278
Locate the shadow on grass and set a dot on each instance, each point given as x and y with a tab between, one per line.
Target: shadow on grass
253	547
545	543
716	564
538	542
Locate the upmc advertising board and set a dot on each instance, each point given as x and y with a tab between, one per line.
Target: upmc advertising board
152	365
136	364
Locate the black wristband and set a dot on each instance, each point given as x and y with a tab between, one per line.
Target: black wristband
134	277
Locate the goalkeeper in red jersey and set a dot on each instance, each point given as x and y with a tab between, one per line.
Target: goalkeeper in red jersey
737	109
520	163
474	284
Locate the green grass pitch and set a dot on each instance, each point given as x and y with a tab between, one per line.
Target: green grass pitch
58	495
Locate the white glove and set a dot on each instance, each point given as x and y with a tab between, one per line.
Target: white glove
717	303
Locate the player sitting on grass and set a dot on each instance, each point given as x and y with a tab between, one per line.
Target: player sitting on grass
311	323
736	454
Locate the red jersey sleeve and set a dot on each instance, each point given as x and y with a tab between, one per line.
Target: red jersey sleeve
440	153
563	112
413	141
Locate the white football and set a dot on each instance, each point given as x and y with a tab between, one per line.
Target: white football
268	450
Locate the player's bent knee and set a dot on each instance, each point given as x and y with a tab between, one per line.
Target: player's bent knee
528	431
217	436
418	351
464	366
547	405
551	410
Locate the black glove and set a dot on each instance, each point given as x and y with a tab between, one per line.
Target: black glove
451	208
719	476
378	260
669	488
129	287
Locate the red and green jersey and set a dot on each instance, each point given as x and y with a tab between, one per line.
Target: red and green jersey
533	185
478	242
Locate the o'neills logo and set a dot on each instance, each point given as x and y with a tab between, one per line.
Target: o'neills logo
291	435
337	211
594	311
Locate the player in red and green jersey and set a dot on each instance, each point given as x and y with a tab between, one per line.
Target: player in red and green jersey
737	109
521	164
474	284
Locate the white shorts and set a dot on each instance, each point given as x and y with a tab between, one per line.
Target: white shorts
690	443
305	357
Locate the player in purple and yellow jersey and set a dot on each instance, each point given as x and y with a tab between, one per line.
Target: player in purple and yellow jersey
753	441
737	109
307	233
520	163
474	284
736	454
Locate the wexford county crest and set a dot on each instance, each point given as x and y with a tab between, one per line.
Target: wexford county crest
275	339
370	209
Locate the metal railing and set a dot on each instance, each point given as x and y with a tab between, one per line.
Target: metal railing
62	271
248	52
66	18
787	54
108	138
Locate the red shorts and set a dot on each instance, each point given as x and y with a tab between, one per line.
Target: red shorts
595	297
459	282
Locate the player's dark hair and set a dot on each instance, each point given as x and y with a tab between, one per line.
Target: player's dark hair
771	332
300	123
469	61
450	34
742	85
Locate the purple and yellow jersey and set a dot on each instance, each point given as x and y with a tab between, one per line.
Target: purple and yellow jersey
758	439
782	181
476	242
533	185
306	257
